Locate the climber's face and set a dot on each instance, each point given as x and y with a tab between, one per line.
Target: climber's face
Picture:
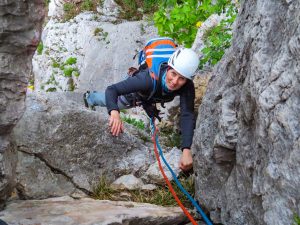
174	80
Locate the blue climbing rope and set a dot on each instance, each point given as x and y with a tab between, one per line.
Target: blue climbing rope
207	221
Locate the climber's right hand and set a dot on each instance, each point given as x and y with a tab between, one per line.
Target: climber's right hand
115	123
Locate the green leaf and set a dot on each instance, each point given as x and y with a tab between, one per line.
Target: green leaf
171	26
68	71
71	61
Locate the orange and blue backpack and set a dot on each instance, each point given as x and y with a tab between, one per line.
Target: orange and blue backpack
156	52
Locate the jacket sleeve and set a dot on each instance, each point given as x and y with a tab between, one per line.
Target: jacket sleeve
187	117
140	82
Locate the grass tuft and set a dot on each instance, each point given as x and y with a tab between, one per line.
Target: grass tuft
135	9
160	196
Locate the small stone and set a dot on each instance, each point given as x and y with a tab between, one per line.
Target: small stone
128	182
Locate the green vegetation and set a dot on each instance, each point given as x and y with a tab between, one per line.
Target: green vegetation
31	81
160	196
52	89
71	61
67	68
137	123
73	9
87	5
68	71
131	9
46	2
178	19
103	191
181	20
296	220
169	137
40	48
173	18
136	9
70	10
55	63
218	39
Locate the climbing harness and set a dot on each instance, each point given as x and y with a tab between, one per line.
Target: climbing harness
157	145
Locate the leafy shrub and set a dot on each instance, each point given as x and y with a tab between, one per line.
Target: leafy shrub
218	39
180	20
68	71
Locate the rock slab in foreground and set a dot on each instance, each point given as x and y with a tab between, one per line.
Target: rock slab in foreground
65	210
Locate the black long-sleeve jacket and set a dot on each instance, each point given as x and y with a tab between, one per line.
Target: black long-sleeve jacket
142	84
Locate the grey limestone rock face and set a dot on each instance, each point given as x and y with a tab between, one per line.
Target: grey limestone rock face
104	51
247	146
64	147
20	28
68	211
153	174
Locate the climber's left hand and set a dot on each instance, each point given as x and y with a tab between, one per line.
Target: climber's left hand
186	160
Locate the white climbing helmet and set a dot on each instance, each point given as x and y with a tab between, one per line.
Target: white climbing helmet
185	61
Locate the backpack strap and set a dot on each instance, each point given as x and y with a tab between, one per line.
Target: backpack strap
156	82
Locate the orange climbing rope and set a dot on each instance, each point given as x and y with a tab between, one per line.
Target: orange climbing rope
169	183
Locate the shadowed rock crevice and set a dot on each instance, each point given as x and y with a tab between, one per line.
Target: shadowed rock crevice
56	174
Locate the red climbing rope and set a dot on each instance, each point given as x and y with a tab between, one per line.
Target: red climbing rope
169	184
